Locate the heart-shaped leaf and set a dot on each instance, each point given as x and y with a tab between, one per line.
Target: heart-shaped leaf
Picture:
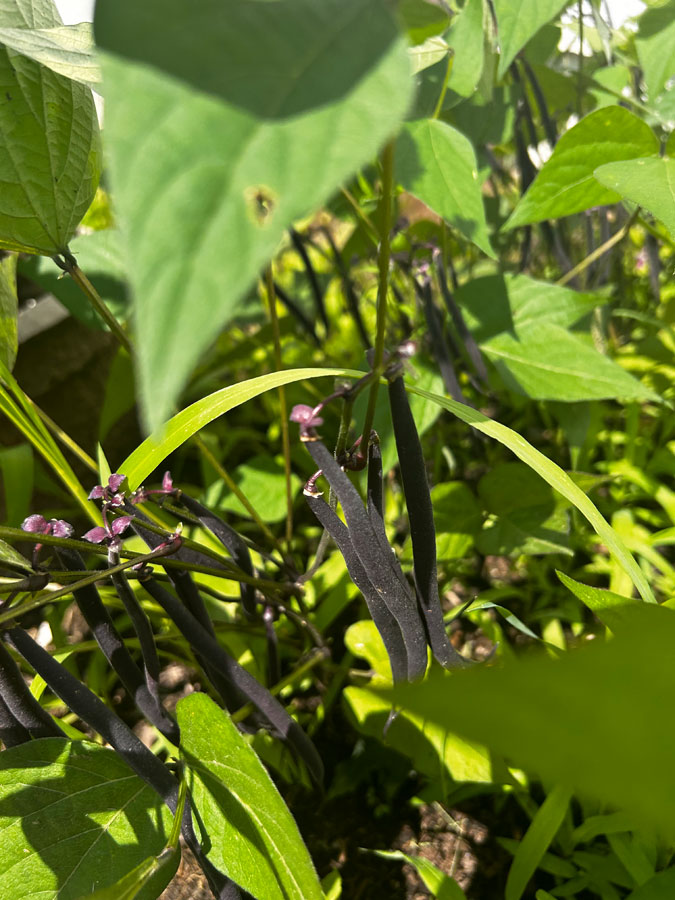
225	122
50	153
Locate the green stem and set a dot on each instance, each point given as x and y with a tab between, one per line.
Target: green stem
65	439
444	89
70	265
283	406
597	253
383	258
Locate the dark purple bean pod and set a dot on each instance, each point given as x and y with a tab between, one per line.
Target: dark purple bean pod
422	528
385	623
233	544
317	294
220	660
21	704
12	732
380	565
443	347
115	651
87	706
455	313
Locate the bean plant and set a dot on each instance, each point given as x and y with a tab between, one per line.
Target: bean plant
380	454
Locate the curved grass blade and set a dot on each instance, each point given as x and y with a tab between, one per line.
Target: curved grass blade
554	475
155	449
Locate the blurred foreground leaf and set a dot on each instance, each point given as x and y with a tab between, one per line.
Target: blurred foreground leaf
582	721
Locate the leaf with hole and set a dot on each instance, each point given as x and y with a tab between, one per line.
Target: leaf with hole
301	94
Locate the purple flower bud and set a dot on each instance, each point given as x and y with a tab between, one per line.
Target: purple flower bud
97	493
35	525
167	482
121	524
115	482
61	529
305	416
96	535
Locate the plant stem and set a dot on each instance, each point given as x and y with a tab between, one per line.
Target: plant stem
598	252
65	439
283	406
365	219
69	264
383	257
444	89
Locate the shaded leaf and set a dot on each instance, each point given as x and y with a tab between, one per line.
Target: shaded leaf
86	817
302	94
263	481
49	145
566	183
146	881
155	449
252	836
554	475
660	887
468	44
442	887
436	163
606	605
655	45
648	182
12	558
65	49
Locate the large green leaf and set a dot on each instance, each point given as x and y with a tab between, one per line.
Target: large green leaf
74	818
493	304
9	340
468	45
554	475
518	21
548	362
655	45
566	183
606	605
225	122
592	721
647	182
521	325
252	837
50	156
66	49
436	163
155	449
262	479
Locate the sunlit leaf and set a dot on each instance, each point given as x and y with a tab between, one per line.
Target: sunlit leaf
648	182
518	21
65	49
9	340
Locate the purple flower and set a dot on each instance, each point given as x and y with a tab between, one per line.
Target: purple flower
96	535
306	416
109	534
142	494
37	524
109	493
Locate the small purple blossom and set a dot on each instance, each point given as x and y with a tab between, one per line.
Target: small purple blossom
96	535
37	524
306	416
109	534
110	492
142	494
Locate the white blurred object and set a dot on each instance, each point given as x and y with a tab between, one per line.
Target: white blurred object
74	11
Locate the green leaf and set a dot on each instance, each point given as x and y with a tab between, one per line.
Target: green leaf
606	605
263	481
65	49
458	519
433	50
155	449
583	720
655	45
494	304
548	362
9	341
147	880
422	19
253	838
50	152
442	887
566	183
554	475
660	887
648	182
436	163
17	467
301	94
517	22
74	818
538	837
468	44
100	256
12	558
526	517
